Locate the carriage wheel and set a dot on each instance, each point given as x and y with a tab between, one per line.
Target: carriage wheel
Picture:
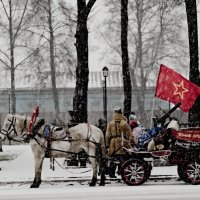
180	171
134	172
192	172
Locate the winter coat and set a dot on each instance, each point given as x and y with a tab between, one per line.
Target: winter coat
133	124
118	129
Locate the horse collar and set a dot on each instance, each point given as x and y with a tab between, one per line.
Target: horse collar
37	126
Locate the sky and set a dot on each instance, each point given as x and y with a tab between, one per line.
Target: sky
17	175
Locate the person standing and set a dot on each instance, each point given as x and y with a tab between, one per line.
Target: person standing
118	135
102	125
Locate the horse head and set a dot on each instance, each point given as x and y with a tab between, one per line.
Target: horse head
14	127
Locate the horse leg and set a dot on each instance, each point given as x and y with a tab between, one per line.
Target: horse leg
102	169
94	176
38	169
102	180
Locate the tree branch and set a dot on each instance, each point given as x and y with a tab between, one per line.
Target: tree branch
5	63
5	54
20	63
89	6
21	19
5	10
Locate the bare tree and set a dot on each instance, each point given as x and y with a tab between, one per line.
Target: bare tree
52	61
125	58
49	29
13	20
191	10
82	70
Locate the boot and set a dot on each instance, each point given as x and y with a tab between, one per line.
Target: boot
112	169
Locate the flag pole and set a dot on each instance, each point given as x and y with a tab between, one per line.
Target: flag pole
152	111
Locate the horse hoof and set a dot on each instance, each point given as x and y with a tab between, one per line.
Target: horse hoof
101	184
34	186
92	184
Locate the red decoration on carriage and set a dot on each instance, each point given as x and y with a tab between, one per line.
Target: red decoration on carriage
34	115
189	134
161	153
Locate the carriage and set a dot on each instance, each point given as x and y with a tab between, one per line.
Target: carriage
181	149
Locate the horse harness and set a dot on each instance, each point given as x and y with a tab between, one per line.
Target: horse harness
13	129
47	135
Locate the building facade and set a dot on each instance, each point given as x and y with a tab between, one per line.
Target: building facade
28	97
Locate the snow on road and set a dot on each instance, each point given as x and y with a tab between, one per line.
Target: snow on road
120	191
20	171
22	168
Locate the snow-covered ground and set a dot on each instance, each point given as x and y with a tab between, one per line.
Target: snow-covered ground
17	175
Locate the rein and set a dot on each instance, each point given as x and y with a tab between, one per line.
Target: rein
69	170
59	150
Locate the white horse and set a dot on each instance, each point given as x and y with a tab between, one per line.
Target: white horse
63	143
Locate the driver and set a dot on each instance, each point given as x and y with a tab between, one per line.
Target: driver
118	135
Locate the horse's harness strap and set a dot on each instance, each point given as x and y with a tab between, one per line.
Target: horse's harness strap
10	129
58	150
90	135
89	131
25	124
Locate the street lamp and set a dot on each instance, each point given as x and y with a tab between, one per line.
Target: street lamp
105	74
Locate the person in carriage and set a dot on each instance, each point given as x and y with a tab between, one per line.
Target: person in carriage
118	135
133	122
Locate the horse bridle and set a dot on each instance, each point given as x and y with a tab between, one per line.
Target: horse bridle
12	129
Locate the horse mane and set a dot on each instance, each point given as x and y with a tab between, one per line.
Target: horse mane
20	118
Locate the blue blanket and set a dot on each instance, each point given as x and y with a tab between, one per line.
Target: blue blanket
146	137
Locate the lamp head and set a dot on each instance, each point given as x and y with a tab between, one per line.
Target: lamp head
105	71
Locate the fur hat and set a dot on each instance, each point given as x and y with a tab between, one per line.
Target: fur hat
117	109
132	116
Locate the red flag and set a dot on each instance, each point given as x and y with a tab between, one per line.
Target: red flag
174	88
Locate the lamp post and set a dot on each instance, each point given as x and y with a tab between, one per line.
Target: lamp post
9	93
103	90
103	87
105	74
